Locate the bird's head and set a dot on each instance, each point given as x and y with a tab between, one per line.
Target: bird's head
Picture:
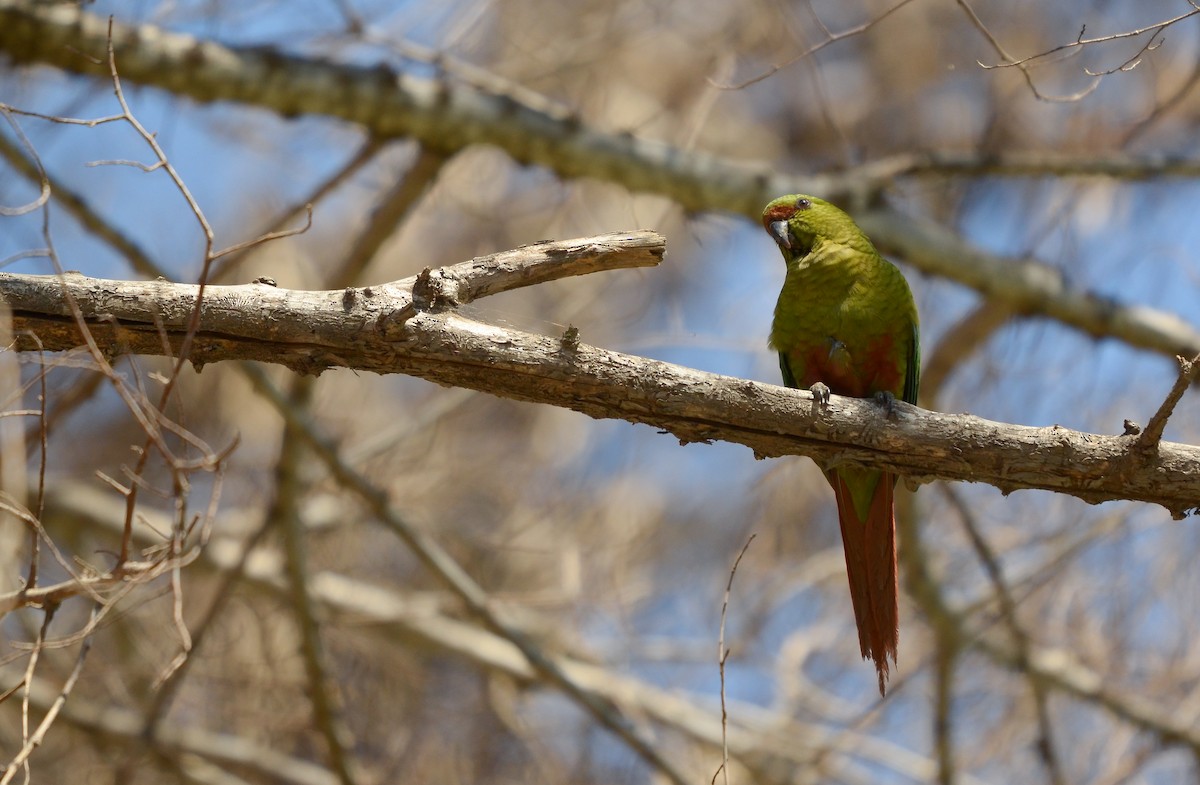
797	221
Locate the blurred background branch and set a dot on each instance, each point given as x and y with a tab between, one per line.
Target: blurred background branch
265	627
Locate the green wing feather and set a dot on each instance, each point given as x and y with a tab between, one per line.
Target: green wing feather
789	378
912	375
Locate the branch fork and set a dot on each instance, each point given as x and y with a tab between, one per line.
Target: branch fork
410	327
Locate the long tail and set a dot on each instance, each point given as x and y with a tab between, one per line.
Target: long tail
871	564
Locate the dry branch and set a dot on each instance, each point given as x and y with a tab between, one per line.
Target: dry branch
422	621
412	327
227	749
446	116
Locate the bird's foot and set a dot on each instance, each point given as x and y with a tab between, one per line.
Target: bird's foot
820	393
888	401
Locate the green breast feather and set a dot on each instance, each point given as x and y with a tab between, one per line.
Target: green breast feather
846	318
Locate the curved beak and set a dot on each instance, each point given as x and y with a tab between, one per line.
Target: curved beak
779	230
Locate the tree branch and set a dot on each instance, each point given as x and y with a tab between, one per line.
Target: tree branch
412	327
173	739
422	622
1027	286
1116	165
447	116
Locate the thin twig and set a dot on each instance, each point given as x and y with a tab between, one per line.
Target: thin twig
1047	752
389	213
269	236
1149	439
30	669
21	163
43	455
1021	65
284	511
1134	60
833	38
441	564
722	657
19	761
945	666
152	436
1081	42
168	683
364	155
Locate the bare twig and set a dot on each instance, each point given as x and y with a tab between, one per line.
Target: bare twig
830	39
722	657
168	683
388	215
129	574
1149	439
1047	752
31	669
1154	42
152	436
532	129
22	163
284	511
945	667
31	595
39	506
1080	42
441	564
364	155
268	237
32	742
753	731
1023	64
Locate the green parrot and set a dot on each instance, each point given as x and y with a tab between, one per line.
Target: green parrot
846	323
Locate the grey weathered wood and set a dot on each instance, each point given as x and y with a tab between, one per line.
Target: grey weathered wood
412	327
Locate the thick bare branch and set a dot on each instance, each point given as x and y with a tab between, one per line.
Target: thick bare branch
411	327
1029	287
447	116
1023	163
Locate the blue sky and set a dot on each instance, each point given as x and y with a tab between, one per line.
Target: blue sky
1136	242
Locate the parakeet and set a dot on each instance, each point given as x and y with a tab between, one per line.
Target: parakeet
846	322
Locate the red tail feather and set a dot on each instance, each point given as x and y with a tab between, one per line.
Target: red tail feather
871	566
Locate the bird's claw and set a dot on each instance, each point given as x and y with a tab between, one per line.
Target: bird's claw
888	401
820	392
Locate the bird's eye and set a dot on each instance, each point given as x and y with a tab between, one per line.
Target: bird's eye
803	204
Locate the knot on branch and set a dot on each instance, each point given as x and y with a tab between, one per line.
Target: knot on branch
1144	448
435	289
431	290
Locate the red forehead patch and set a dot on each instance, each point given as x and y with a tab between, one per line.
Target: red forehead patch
780	212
